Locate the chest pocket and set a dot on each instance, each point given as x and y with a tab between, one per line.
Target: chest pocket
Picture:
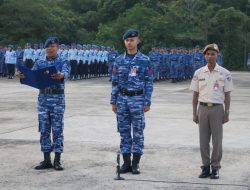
123	72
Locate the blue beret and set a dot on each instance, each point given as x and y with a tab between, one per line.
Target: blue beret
197	46
10	46
51	40
131	33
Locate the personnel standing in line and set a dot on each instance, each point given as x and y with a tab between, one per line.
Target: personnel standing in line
132	87
2	57
51	106
28	56
211	86
10	61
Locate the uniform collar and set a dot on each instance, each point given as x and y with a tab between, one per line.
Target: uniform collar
216	68
138	54
56	58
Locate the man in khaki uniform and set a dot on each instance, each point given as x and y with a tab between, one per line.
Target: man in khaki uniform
211	86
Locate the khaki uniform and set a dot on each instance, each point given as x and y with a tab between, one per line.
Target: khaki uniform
211	87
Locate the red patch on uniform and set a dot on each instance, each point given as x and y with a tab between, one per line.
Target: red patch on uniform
114	71
150	71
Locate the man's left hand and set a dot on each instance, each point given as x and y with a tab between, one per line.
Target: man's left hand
57	76
225	118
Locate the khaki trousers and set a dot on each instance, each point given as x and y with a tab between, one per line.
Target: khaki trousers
210	124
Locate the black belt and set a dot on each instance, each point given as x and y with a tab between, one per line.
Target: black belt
51	91
209	104
126	92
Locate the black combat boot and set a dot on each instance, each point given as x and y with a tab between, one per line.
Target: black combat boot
57	162
46	164
135	163
205	172
126	166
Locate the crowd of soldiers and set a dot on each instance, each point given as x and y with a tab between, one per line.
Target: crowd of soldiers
177	64
86	61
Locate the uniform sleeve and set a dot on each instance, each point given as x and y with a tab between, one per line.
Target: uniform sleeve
115	88
149	77
66	69
228	83
195	83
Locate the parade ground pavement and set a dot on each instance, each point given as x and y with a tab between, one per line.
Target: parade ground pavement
171	158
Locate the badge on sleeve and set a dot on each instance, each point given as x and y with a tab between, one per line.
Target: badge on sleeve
133	71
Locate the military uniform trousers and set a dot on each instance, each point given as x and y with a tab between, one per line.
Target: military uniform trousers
131	123
50	115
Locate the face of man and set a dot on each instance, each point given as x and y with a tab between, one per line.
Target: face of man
211	56
51	50
131	43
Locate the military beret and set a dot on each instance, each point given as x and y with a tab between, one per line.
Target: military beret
51	40
131	33
213	47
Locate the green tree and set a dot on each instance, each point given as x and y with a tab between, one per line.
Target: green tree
227	29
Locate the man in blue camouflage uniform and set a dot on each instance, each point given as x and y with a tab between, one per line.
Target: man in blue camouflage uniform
154	58
248	61
111	59
51	106
2	55
198	58
174	62
132	87
19	53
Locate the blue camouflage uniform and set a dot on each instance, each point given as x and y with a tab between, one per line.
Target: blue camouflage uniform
174	62
248	61
131	74
51	108
2	62
112	55
154	58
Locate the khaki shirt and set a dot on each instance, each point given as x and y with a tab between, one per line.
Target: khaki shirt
212	86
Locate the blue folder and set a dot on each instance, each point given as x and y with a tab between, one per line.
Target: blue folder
40	78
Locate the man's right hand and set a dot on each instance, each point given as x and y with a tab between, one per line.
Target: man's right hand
195	118
20	75
114	108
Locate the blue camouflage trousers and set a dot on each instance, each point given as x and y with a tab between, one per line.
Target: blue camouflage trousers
50	115
131	123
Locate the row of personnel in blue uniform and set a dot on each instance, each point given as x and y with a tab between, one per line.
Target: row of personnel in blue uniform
86	60
177	64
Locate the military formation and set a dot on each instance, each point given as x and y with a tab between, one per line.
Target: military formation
177	64
86	61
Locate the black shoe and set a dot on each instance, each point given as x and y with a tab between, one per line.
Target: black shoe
205	172
215	174
135	163
46	164
126	166
57	162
